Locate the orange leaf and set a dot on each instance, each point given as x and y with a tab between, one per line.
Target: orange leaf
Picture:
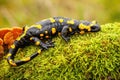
8	38
1	41
4	31
16	32
1	51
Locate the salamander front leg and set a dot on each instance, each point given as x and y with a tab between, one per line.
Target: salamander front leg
38	42
50	42
64	33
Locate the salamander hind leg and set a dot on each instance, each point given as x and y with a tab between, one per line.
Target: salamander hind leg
64	33
50	42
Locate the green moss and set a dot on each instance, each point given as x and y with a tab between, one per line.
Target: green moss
89	56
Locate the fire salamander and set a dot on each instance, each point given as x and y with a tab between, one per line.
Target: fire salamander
42	33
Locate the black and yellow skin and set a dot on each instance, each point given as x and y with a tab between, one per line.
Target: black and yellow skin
42	32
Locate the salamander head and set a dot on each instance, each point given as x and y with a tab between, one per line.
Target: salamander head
94	26
89	26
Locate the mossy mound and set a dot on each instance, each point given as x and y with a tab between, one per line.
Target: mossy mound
89	56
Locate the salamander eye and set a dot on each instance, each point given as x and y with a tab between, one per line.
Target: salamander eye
95	28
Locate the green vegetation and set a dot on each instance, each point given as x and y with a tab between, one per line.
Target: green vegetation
89	56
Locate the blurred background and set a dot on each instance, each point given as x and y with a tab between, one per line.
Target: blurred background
28	12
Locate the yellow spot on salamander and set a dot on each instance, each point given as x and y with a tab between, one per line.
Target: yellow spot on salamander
82	32
61	20
70	22
53	30
39	51
88	28
31	38
26	59
12	63
9	54
38	26
18	39
41	35
13	46
52	20
46	36
37	43
46	32
81	26
70	29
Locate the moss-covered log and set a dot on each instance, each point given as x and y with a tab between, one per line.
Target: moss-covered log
89	56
